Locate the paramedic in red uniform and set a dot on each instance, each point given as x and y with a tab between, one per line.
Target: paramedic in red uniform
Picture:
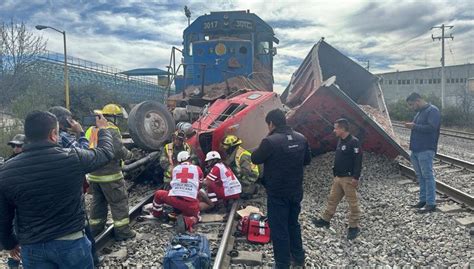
221	183
283	153
183	195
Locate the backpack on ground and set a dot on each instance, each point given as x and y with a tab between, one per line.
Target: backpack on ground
188	251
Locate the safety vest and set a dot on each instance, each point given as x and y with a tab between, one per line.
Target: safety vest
92	134
169	148
238	155
229	181
185	181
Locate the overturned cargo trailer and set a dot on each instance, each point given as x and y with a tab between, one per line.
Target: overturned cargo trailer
328	86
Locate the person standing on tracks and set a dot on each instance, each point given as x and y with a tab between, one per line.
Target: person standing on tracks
107	184
238	159
183	195
41	188
346	170
71	135
425	129
168	158
283	153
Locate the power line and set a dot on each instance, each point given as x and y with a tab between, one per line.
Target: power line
442	38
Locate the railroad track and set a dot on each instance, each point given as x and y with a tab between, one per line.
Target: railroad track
106	238
443	131
222	258
443	188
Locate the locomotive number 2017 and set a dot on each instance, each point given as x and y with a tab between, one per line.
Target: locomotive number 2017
210	25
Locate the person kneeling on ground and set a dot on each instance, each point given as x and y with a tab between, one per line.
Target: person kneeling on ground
238	159
183	195
221	183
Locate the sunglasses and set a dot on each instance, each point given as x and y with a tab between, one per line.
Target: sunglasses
16	146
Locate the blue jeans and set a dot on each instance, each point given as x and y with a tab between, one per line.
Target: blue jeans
58	254
423	164
285	229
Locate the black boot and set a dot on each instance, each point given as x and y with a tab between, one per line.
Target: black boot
419	205
321	223
352	233
427	209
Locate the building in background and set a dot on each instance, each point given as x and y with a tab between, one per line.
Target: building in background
398	85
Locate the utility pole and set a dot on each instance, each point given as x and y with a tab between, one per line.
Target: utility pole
442	38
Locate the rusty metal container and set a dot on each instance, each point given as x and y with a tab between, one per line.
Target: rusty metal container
328	86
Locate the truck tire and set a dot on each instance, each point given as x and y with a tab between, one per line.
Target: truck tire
150	125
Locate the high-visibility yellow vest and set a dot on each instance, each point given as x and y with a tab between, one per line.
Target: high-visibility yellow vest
169	152
92	134
238	155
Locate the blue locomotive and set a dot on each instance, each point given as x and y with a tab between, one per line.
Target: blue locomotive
235	48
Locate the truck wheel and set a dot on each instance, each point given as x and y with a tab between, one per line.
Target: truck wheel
150	125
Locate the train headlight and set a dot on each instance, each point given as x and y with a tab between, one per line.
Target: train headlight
220	49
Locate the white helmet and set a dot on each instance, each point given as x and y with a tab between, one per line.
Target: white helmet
183	156
211	155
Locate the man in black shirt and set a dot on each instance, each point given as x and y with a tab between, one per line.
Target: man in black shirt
346	170
283	153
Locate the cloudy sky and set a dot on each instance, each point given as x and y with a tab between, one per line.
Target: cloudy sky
392	35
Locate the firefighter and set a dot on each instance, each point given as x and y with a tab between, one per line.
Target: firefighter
182	196
168	158
238	159
107	184
221	183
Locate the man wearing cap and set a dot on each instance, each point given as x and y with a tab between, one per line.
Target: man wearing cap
107	184
183	195
71	135
17	145
222	184
168	158
70	131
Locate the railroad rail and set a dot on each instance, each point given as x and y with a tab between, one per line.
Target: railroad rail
444	131
106	238
455	161
222	260
443	188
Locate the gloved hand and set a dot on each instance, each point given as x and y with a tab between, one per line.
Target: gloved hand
166	186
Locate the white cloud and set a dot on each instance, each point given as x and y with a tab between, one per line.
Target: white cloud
391	34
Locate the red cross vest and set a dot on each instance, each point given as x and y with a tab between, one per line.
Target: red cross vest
185	181
229	181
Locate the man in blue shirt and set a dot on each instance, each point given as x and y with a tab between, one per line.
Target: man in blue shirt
424	136
71	135
68	125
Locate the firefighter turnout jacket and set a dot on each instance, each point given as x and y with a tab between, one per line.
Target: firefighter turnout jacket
242	166
113	170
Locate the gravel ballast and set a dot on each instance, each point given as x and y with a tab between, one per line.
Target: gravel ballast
392	233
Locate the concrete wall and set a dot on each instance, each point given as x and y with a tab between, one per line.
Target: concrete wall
398	85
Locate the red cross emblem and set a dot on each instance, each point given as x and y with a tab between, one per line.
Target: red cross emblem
184	175
229	173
